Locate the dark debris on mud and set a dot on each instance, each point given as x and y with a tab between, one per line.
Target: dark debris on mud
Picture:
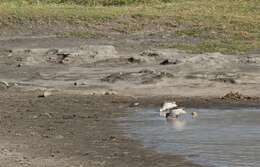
143	76
235	96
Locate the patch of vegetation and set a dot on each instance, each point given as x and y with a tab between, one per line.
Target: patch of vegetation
90	2
208	46
227	26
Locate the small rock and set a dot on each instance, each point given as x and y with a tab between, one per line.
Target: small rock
48	115
45	136
45	94
85	154
83	83
250	59
133	60
18	134
109	93
59	137
35	117
69	116
32	133
66	60
4	85
135	104
93	116
126	153
113	138
168	62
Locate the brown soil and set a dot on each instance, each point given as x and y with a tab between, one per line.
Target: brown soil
89	83
80	130
65	130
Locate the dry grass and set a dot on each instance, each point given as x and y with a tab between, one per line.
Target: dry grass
228	26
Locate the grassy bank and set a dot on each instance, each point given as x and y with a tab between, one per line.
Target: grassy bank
227	26
91	2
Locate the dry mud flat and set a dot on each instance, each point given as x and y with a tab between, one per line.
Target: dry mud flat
90	86
100	68
70	131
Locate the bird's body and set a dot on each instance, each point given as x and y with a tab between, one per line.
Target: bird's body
171	116
170	109
178	111
163	113
166	107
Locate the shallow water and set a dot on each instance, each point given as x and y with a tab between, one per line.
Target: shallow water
218	137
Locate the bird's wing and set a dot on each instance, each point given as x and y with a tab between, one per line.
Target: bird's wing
168	105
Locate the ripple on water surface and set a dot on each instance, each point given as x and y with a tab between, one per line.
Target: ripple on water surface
218	137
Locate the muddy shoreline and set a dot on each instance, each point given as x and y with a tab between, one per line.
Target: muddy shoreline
70	131
91	83
80	130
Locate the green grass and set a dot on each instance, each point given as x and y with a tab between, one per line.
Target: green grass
226	47
90	2
227	26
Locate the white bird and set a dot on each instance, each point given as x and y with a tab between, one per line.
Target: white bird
178	111
175	113
166	107
171	110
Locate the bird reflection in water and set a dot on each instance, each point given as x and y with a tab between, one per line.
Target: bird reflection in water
177	123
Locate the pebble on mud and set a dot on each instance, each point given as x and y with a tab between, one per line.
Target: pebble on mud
45	93
49	115
168	62
135	104
109	93
59	137
69	116
133	60
4	85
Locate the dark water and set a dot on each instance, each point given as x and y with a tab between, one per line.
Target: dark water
218	137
